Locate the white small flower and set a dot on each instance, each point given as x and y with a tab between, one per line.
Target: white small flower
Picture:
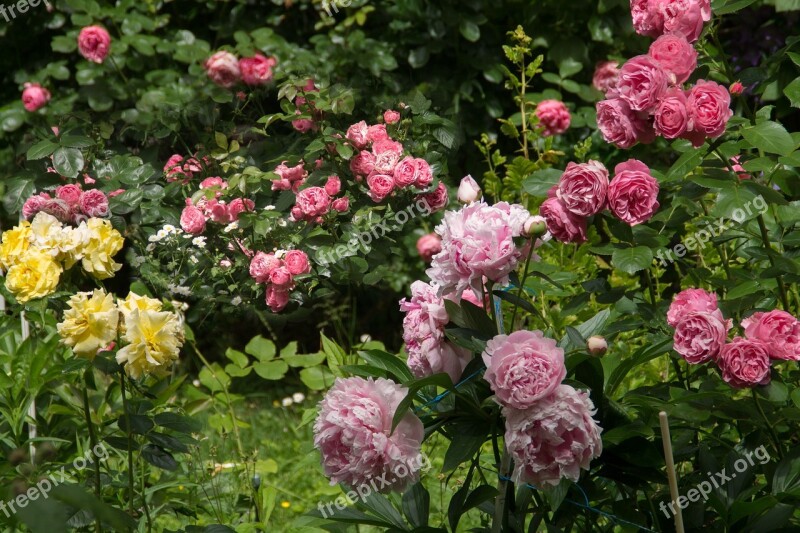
150	247
269	208
200	242
298	397
286	402
282	223
365	338
237	300
178	289
169	228
193	260
280	253
196	383
232	226
187	236
162	234
154	238
137	261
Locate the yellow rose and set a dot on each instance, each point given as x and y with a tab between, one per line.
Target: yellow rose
15	242
49	235
34	275
97	243
155	339
136	302
90	323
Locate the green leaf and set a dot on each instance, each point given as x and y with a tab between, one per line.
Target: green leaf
68	162
416	505
41	149
541	181
770	137
159	457
272	370
317	377
304	360
687	162
792	92
76	141
632	260
469	30
733	6
176	422
261	348
393	364
467	443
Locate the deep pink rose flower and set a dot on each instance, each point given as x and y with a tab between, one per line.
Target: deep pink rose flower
34	97
333	186
428	246
257	70
70	193
709	108
276	298
296	262
744	363
646	21
357	135
341	205
424	174
642	82
406	172
681	16
779	330
34	204
699	336
553	116
223	69
262	265
690	301
554	438
671	117
736	88
239	206
303	125
380	186
175	170
313	202
391	117
94	43
620	125
363	164
192	220
281	278
583	188
605	76
562	224
633	193
94	203
59	209
377	132
675	55
435	200
290	177
387	154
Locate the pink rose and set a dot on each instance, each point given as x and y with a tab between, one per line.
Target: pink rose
71	194
562	224
223	69
435	200
739	169
377	132
341	205
671	118
691	301
290	177
303	125
59	209
583	188
424	174
313	202
646	21
605	76
405	173
736	88
353	433
633	193
262	265
297	262
554	438
281	278
380	186
239	206
681	16
192	220
34	97
675	55
174	169
276	298
709	108
387	153
333	186
94	43
523	367
94	203
391	117
642	82
744	363
699	336
553	116
34	204
363	164
357	135
777	329
620	125
428	246
257	70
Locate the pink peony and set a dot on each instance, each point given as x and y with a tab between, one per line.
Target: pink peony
523	367
357	135
276	298
192	220
699	336
353	433
675	55
256	70
71	194
377	132
709	109
223	69
477	243
562	224
34	97
690	301
779	330
605	76
622	126
313	202
380	186
341	205
94	203
553	439
642	82
333	186
34	204
428	246
391	117
94	43
553	116
387	154
671	118
633	193
297	262
744	363
583	188
435	200
363	164
262	265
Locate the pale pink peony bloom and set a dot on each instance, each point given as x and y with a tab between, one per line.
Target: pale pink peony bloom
779	330
70	193
583	188
353	433
699	336
553	116
606	75
690	301
633	193
597	345
468	190
620	125
562	224
642	82
553	439
676	56
391	117
535	225
357	135
192	220
671	117
435	200
333	186
94	43
276	298
380	186
34	97
745	363
94	203
223	69
341	205
709	109
257	70
387	154
523	367
363	164
262	265
296	262
428	246
313	202
377	132
34	204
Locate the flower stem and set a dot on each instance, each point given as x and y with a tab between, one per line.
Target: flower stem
130	442
773	435
502	490
93	440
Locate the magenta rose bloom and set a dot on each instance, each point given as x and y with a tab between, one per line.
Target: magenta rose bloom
257	70
633	193
34	204
641	83
620	125
709	106
699	336
357	135
606	75
276	298
353	433
380	186
297	262
523	367
563	225
341	205
94	203
363	164
779	330
583	188
681	16
223	69
405	173
333	186
689	301
391	116
645	20
94	43
262	265
387	154
192	220
744	363
281	278
377	132
70	193
554	438
675	55
671	117
428	246
477	243
313	202
553	116
34	97
435	200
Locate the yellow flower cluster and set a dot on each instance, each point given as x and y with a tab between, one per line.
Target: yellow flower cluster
153	337
34	254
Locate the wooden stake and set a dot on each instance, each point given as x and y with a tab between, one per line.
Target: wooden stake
671	473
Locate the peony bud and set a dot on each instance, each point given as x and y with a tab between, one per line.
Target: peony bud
535	226
468	190
597	345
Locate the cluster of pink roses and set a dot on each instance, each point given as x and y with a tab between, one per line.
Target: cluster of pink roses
550	432
226	70
70	205
196	213
584	190
312	203
277	272
178	168
304	125
701	336
646	98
